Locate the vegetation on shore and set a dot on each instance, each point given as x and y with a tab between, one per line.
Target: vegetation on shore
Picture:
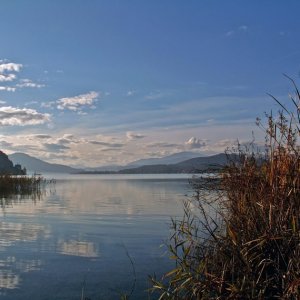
242	241
12	185
14	182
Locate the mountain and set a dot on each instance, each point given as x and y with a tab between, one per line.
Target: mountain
202	163
166	160
170	159
194	165
39	166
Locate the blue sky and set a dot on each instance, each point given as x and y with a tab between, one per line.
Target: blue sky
103	82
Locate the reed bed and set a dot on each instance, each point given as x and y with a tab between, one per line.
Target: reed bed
14	187
240	238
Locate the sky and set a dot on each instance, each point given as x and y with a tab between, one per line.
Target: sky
101	82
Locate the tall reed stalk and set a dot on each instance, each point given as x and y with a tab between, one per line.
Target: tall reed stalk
14	187
241	239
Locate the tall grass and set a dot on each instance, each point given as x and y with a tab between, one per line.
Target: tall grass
241	240
14	187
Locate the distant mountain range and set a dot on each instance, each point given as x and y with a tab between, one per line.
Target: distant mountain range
183	162
166	160
170	159
194	165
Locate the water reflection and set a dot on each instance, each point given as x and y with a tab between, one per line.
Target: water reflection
13	236
25	265
8	280
11	269
12	233
14	189
111	197
13	200
78	228
77	248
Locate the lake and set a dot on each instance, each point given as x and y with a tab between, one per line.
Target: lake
86	233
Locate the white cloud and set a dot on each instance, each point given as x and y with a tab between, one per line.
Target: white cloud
77	102
8	77
7	88
234	144
7	71
11	116
196	143
134	136
41	144
49	104
224	144
10	67
67	139
29	83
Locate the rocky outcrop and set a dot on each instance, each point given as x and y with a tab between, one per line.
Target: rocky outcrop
7	167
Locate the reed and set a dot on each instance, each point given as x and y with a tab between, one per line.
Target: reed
240	238
20	186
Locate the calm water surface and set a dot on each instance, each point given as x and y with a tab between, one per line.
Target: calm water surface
78	234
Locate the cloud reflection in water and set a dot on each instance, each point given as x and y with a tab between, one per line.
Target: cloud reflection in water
77	248
11	269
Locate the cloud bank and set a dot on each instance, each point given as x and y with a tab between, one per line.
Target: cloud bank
11	116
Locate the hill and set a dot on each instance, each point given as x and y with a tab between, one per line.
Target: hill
39	166
194	165
166	160
7	166
213	162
